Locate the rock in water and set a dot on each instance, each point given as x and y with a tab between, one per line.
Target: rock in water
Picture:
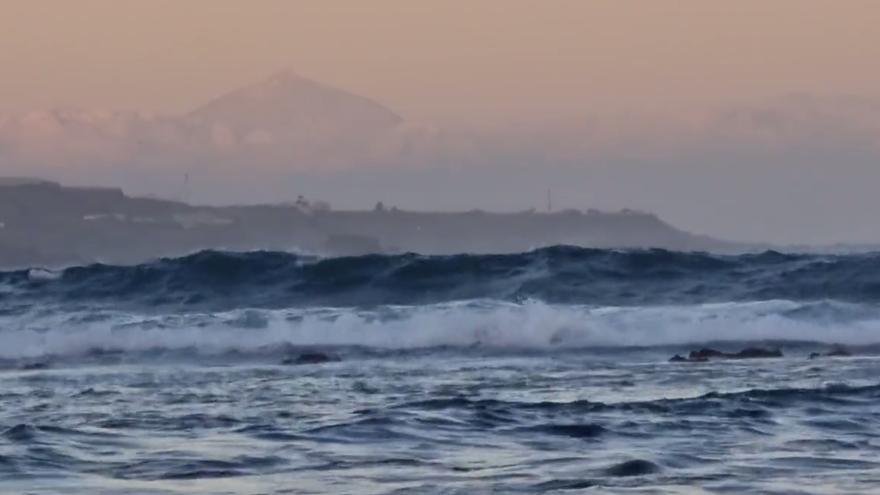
707	353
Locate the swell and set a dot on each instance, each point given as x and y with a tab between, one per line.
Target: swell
216	280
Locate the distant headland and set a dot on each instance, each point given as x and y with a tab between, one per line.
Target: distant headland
43	223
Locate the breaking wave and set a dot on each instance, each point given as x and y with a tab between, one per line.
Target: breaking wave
485	325
264	303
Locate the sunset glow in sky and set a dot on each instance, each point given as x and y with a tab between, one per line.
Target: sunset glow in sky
464	62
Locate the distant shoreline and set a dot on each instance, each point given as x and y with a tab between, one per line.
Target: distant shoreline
43	223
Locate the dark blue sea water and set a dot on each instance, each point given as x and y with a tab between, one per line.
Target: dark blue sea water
541	372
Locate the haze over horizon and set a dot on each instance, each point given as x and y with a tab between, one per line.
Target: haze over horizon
750	121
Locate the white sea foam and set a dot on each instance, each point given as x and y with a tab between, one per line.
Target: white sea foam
490	324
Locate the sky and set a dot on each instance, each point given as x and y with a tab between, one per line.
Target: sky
754	120
452	61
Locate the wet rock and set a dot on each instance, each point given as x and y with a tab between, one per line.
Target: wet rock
706	353
635	467
310	358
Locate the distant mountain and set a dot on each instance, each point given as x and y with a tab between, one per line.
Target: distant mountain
285	121
287	102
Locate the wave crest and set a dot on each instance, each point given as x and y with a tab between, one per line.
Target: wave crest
217	280
488	325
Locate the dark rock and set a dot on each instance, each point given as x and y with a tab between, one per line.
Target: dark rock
636	467
310	358
706	354
814	355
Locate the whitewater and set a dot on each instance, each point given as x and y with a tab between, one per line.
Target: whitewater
539	372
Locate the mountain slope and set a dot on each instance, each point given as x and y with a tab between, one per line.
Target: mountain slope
289	102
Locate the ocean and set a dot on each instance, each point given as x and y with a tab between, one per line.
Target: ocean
539	372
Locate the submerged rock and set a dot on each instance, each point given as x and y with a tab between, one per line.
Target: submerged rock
707	353
310	358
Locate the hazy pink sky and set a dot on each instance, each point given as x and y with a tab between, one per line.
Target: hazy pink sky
482	61
747	119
